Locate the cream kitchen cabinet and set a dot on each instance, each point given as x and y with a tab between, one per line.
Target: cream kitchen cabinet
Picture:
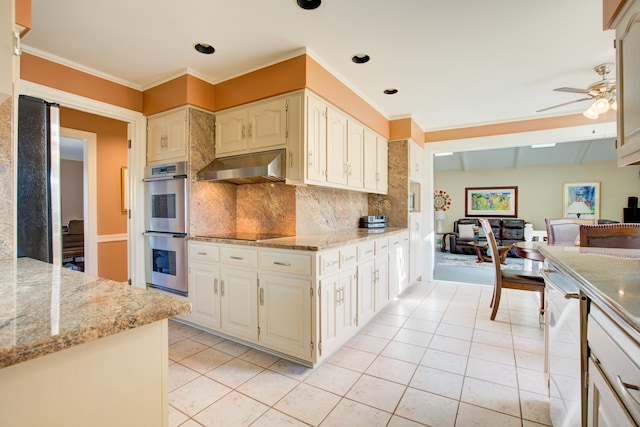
375	163
338	299
415	162
628	91
336	147
355	155
204	284
239	302
316	140
259	126
381	273
398	263
366	282
415	246
167	137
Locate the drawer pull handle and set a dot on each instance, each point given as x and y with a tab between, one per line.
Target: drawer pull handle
369	251
285	264
329	264
625	391
349	258
236	257
261	296
215	286
222	288
202	253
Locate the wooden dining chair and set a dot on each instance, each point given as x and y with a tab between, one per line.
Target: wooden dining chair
565	231
510	279
610	236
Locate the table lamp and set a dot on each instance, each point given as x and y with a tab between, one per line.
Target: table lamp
578	208
439	216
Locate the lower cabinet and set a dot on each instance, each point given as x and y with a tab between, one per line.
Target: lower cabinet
239	302
284	306
302	304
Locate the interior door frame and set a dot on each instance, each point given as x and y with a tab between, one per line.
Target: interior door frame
136	161
89	196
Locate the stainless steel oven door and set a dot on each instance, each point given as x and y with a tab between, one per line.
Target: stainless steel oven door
166	262
166	205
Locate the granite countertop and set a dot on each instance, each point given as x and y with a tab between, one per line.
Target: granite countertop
308	242
46	308
611	277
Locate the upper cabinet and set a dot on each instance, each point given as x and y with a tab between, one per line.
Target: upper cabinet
415	162
167	137
340	151
628	92
261	126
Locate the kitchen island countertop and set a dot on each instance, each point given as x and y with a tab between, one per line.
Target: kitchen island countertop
609	276
46	308
309	242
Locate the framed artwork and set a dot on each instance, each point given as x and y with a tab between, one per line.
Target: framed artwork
124	189
581	200
491	201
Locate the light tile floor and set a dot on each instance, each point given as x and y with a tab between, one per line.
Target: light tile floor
431	357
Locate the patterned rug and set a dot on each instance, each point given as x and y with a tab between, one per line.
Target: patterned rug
458	260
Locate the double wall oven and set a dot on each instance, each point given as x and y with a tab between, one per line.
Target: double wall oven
166	227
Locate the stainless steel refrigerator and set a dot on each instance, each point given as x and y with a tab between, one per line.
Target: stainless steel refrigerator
39	225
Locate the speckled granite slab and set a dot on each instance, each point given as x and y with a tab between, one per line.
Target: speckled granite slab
307	242
609	276
45	308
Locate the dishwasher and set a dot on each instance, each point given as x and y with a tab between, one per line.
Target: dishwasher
565	350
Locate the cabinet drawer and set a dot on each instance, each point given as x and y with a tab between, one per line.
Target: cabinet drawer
205	252
239	256
286	262
381	246
366	250
329	262
617	355
348	256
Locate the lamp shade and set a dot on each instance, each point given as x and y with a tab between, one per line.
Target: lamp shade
578	208
439	215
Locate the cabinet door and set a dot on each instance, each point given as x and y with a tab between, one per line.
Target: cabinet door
355	155
239	303
628	90
398	261
336	147
176	128
329	316
155	138
204	294
285	314
231	132
604	406
268	124
295	139
415	243
382	166
370	161
348	309
366	292
381	277
415	162
316	140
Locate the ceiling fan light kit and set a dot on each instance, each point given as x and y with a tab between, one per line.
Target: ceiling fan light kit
602	93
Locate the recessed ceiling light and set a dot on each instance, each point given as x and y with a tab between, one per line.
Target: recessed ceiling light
308	4
204	48
361	58
390	91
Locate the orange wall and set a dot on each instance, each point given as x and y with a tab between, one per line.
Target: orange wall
112	155
112	261
406	128
23	15
51	74
283	77
329	87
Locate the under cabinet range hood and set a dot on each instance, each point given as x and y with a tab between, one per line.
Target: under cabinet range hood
252	168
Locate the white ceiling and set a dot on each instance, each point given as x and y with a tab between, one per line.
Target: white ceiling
576	152
455	62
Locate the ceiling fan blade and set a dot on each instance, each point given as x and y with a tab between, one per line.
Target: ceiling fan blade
566	103
571	89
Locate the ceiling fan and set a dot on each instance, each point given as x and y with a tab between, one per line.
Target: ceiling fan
602	93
